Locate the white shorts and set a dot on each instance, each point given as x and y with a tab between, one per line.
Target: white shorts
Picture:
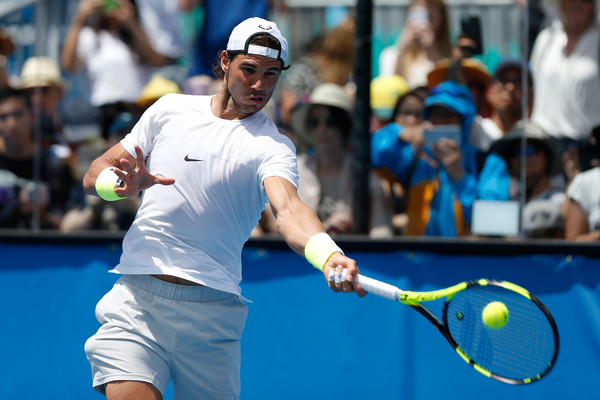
154	331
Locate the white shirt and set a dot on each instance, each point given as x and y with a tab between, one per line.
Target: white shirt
112	68
484	132
585	190
567	88
417	73
196	228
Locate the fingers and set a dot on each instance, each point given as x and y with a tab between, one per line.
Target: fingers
341	279
139	157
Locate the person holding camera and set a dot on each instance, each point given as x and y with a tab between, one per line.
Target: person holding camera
107	40
434	162
424	40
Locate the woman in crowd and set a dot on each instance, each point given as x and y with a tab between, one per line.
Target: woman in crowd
107	40
424	40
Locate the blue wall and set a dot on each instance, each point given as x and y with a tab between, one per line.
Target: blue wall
301	341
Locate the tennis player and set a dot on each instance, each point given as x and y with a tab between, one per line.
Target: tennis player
206	165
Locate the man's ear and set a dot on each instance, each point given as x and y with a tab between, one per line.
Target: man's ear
225	61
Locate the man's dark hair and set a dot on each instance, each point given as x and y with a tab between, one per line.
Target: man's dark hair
10	93
260	40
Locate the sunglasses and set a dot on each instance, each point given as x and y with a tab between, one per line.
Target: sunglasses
315	122
530	150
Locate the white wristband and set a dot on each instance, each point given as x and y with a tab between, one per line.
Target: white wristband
106	183
319	248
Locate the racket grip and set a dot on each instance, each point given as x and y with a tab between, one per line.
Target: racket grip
378	288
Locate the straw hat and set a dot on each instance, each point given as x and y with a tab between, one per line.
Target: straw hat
41	71
473	70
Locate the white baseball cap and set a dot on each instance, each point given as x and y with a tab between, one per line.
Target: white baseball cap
239	40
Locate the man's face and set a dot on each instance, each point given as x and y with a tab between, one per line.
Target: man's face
16	121
251	81
505	93
577	13
46	98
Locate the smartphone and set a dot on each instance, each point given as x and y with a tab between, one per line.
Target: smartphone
471	27
442	131
418	15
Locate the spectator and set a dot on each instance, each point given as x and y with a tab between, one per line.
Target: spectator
424	40
582	208
95	213
441	180
329	58
472	73
336	56
504	96
107	39
407	112
6	48
217	20
28	190
543	197
41	79
299	81
325	172
385	92
564	62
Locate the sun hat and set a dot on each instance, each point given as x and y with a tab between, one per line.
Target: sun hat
327	94
533	133
239	40
157	87
474	71
385	92
41	71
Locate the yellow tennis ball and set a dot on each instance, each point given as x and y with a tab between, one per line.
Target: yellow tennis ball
495	315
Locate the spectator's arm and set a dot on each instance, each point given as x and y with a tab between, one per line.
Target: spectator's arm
388	150
69	59
141	42
576	223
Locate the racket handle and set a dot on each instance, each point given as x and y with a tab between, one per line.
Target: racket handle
379	288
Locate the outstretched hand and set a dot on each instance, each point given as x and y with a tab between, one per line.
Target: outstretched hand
137	178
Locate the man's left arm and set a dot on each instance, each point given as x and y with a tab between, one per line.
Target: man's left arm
303	231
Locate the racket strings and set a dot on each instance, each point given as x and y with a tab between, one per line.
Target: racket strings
522	349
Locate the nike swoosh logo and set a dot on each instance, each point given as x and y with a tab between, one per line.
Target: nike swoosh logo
187	158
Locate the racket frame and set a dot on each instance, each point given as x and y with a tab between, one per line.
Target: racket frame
414	299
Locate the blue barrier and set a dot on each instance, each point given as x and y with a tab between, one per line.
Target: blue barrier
301	340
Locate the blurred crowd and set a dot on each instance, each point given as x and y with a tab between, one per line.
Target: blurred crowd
448	133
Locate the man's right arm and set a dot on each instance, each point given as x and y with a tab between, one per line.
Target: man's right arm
111	158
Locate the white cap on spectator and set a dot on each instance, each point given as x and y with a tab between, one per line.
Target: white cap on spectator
239	40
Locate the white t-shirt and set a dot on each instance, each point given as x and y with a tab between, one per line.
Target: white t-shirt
196	228
567	88
112	68
585	190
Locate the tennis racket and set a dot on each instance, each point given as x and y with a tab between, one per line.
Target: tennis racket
521	352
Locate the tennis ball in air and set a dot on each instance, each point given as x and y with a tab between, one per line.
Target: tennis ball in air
495	315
